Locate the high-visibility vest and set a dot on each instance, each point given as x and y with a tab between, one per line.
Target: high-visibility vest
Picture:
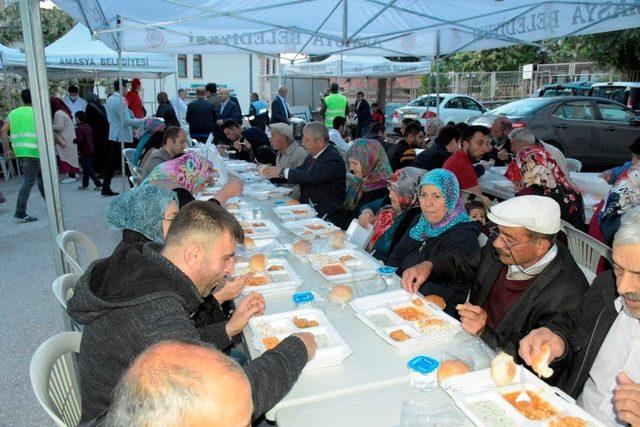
23	132
261	107
336	105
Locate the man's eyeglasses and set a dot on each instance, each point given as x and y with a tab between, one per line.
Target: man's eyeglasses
495	234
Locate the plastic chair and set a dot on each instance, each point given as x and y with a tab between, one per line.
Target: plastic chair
586	250
128	154
69	241
62	288
574	165
358	235
54	379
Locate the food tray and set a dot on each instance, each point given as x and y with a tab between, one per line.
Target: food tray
318	246
360	266
310	227
274	193
332	349
241	166
474	389
249	177
259	229
263	246
377	312
284	280
294	212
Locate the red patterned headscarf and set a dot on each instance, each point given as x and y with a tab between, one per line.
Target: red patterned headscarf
535	166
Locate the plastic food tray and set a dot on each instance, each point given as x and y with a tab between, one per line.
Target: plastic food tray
310	227
263	246
241	166
377	312
259	229
284	280
332	349
362	266
273	193
318	246
468	389
294	212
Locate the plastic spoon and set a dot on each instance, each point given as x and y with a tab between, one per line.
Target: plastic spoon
523	396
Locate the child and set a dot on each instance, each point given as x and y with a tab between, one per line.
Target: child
84	140
476	211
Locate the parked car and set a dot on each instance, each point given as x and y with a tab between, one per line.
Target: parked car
596	131
626	93
453	108
564	89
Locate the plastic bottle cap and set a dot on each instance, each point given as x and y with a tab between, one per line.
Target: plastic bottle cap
280	203
423	364
302	297
386	270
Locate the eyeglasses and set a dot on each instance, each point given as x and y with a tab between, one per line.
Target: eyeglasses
495	234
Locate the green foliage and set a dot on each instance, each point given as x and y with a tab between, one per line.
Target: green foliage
55	23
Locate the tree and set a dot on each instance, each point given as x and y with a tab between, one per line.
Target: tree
55	23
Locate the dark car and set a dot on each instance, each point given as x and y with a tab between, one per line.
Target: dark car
564	89
596	131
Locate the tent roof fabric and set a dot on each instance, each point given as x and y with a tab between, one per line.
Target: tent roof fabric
360	27
356	66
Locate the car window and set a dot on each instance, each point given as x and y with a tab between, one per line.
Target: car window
615	93
470	104
520	108
577	110
614	112
455	103
427	101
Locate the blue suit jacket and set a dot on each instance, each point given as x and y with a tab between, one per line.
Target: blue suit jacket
278	113
231	111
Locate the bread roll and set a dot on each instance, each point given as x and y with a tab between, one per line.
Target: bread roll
437	300
503	369
452	367
540	362
340	294
337	240
257	262
301	247
248	243
338	234
293	202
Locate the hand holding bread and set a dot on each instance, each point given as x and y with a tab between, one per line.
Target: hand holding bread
532	347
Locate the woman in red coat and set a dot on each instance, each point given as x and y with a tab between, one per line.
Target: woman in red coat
134	101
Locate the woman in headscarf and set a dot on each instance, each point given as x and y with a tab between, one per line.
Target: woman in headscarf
64	132
623	196
369	178
134	101
443	239
96	116
391	216
535	172
143	213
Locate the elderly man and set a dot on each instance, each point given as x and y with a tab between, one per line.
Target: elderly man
248	142
290	154
145	294
322	176
475	144
500	145
228	109
525	277
179	106
174	141
182	384
600	340
523	137
201	116
279	108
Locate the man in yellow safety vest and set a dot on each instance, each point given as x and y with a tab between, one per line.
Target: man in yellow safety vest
335	105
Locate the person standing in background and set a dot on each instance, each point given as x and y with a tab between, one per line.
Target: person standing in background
201	116
134	100
258	110
84	141
363	111
74	102
211	93
166	111
96	117
180	107
279	109
65	134
335	105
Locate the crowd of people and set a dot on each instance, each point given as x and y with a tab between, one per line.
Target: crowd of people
501	268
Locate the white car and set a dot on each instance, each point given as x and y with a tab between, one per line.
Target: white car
454	107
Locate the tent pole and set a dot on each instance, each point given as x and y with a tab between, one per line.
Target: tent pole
345	22
437	62
38	84
120	85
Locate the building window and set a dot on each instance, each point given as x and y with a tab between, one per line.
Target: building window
274	64
197	66
268	66
182	66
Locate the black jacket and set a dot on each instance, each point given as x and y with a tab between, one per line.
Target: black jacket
166	111
432	158
201	117
560	286
401	155
278	112
322	181
584	329
137	298
364	113
455	255
231	111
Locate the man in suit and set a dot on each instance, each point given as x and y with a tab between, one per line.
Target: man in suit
279	108
201	116
363	112
228	110
322	176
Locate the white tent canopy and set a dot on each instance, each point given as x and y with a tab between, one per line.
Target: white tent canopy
79	52
356	66
362	27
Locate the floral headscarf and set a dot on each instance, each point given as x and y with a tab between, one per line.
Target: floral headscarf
623	196
405	183
189	171
141	209
535	166
447	183
376	170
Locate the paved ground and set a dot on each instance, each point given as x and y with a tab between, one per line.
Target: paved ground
30	313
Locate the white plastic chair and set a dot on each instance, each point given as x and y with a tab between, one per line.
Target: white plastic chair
358	235
128	154
586	250
574	165
62	288
69	241
54	379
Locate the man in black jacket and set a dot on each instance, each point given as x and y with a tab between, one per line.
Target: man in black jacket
322	177
201	116
279	108
363	112
525	278
447	142
600	339
145	294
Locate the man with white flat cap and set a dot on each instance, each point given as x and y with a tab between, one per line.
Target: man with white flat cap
525	276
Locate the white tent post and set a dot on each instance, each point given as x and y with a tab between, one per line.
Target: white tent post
437	61
38	85
121	90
